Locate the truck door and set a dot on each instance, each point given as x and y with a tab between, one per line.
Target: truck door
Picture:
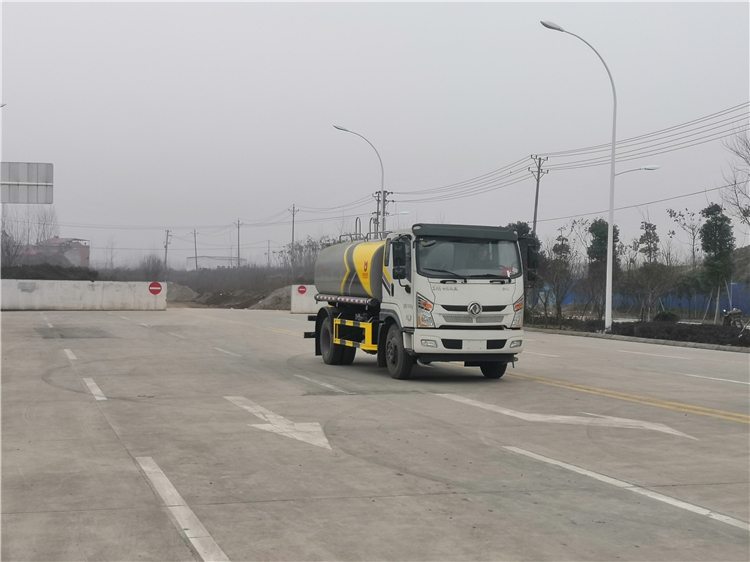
400	299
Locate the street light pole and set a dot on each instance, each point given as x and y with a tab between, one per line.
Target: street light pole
381	203
610	229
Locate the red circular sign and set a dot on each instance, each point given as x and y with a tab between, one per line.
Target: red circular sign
301	289
154	288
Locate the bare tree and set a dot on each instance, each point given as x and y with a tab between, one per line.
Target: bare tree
736	193
560	269
16	234
44	223
690	223
110	261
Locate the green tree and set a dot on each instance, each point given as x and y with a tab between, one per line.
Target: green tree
717	242
649	242
596	274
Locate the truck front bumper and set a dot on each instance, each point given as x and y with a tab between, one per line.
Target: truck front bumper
465	345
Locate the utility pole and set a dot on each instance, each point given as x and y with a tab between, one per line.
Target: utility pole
195	244
166	246
385	202
538	173
239	224
294	211
377	195
268	255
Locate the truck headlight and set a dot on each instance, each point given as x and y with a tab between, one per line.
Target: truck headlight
518	314
424	312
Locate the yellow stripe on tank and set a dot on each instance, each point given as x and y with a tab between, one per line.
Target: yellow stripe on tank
346	265
363	254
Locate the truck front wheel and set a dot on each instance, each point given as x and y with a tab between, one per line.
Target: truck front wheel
493	370
347	355
399	362
331	353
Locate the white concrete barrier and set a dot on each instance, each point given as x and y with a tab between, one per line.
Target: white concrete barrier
303	300
22	294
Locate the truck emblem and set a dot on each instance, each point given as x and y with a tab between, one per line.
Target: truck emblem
365	265
474	309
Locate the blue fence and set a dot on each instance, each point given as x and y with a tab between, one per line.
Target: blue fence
740	299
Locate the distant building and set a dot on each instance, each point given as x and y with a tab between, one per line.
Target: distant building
58	251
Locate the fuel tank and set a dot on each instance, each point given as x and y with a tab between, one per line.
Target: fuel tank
351	269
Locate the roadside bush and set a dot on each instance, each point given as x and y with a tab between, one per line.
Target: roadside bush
698	333
45	271
666	316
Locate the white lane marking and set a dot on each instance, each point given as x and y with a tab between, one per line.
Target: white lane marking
124	317
655	355
310	433
326	385
186	521
227	352
50	325
176	335
637	489
94	388
595	420
69	354
714	379
543	354
142	324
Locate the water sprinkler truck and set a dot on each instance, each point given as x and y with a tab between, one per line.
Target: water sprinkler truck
436	292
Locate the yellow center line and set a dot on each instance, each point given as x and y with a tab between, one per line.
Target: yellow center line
646	400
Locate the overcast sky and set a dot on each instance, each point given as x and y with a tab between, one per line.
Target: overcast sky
193	116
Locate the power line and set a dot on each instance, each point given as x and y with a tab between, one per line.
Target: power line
638	204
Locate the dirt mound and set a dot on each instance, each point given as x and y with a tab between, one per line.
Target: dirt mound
180	293
280	299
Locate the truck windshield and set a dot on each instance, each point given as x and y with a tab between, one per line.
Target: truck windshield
464	258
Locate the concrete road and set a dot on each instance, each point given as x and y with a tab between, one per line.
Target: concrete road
197	434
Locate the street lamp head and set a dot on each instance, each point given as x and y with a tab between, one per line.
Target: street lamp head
550	25
654	167
341	129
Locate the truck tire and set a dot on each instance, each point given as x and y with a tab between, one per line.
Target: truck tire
493	370
347	355
331	353
399	363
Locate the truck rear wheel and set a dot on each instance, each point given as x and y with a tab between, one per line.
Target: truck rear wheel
493	370
331	353
399	362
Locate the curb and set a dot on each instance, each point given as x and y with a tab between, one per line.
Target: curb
696	345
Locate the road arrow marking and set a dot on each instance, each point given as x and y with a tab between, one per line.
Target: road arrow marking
310	433
594	420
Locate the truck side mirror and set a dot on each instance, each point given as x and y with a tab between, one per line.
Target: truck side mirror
399	259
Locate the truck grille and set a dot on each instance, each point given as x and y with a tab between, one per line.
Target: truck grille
457	318
490	319
462	307
458	344
466	319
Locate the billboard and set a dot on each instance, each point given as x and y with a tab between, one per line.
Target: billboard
26	182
